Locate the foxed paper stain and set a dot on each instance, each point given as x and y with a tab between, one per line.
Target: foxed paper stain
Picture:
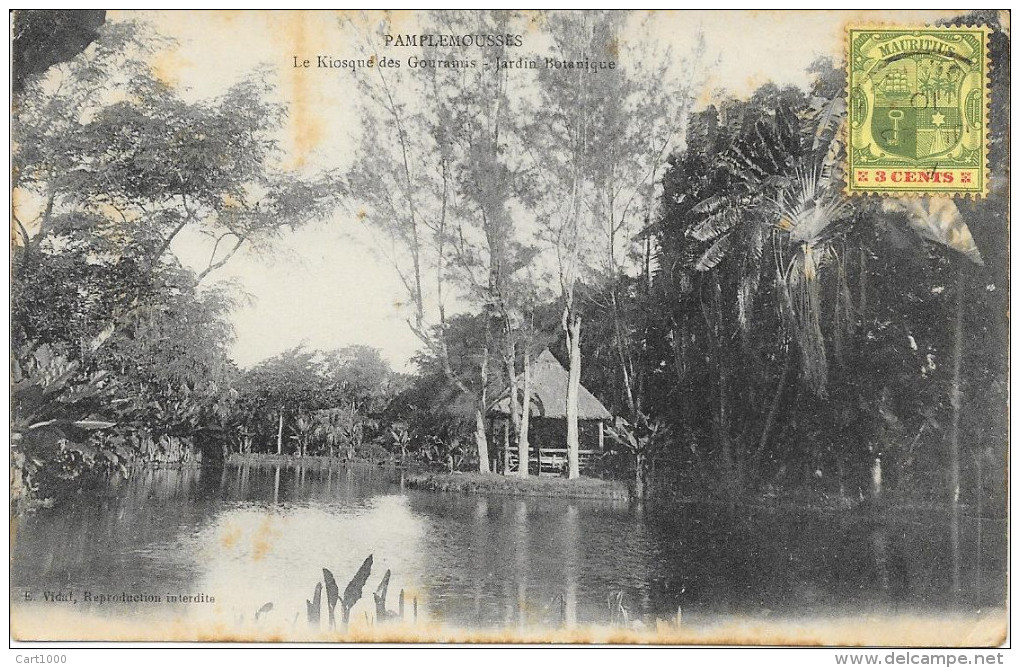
303	32
263	539
167	65
988	631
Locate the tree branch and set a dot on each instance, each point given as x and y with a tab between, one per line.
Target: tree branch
213	266
177	230
21	229
44	224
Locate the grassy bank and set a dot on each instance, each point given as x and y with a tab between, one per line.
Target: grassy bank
308	461
493	483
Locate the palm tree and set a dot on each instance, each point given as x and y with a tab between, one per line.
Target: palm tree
302	430
783	193
807	214
400	437
330	430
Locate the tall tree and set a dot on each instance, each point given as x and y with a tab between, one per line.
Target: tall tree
283	385
42	38
110	165
600	137
439	192
102	142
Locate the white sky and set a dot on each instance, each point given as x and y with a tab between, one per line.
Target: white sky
324	287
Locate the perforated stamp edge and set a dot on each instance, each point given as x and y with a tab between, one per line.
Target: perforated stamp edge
849	189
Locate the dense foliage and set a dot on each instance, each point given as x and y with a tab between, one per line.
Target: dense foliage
766	335
790	341
752	329
120	353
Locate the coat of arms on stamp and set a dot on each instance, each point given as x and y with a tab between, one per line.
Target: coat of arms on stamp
918	102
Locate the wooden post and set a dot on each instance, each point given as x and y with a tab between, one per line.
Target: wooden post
602	438
490	434
506	447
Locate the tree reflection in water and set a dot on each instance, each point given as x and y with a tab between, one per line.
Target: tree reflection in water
250	534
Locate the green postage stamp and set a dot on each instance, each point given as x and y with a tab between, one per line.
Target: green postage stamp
918	101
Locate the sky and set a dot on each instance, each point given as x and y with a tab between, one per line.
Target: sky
323	287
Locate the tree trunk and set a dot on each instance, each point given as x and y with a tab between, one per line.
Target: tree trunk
680	368
720	416
279	435
956	399
876	478
625	366
770	418
522	436
573	383
639	475
481	438
481	441
514	403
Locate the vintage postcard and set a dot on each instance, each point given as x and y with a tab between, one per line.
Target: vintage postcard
620	327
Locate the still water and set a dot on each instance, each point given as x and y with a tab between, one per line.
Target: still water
247	535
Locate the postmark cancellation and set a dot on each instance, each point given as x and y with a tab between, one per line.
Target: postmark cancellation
918	111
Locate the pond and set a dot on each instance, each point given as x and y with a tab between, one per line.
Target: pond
236	538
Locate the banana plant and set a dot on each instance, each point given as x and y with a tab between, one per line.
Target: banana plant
400	438
639	440
53	415
328	431
302	431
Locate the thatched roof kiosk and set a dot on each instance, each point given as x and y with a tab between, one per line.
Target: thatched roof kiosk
548	409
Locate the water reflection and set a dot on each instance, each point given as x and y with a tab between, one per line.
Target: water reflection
571	565
249	535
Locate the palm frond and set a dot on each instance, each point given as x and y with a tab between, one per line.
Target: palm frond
937	219
709	205
827	116
745	300
715	254
714	225
806	209
750	277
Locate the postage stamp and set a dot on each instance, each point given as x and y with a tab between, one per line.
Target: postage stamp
918	101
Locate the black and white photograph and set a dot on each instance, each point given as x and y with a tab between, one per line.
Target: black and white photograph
499	327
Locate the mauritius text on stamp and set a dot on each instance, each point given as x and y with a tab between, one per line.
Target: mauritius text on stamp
918	101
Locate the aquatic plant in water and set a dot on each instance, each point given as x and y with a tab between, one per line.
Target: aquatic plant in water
352	594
